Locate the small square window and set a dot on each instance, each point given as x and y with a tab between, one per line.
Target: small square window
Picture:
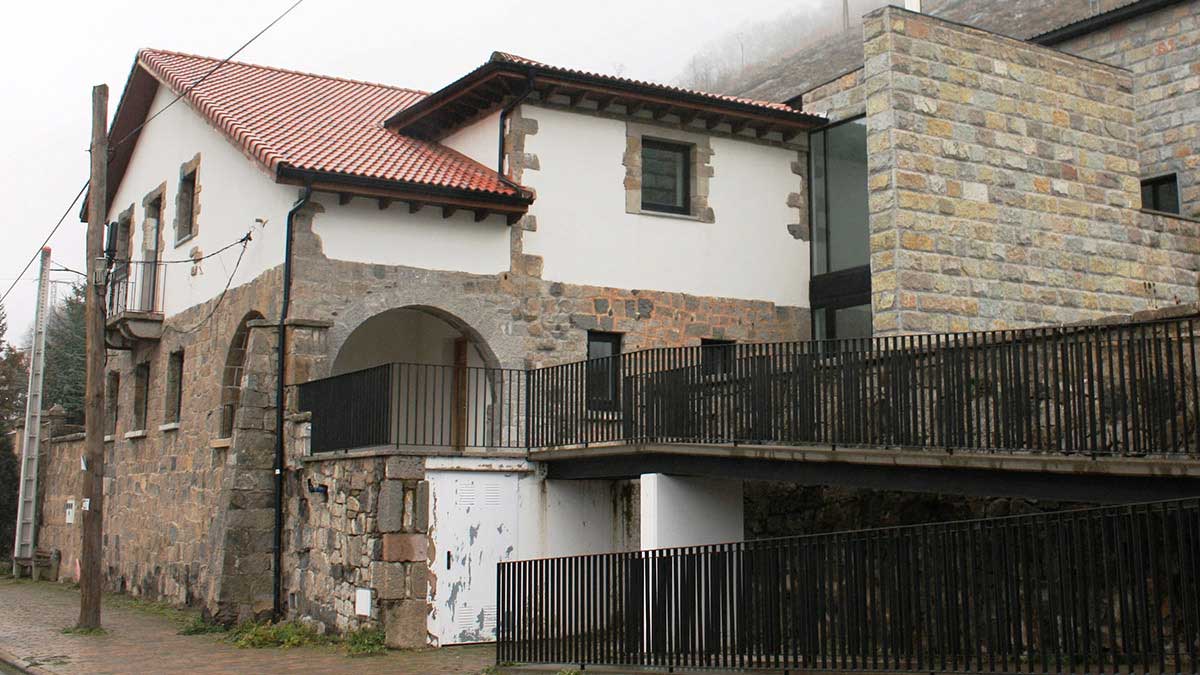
666	177
174	401
1161	194
716	356
185	207
603	370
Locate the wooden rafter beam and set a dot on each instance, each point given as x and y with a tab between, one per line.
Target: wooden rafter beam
633	107
413	207
578	97
481	214
660	113
602	102
384	202
448	211
712	121
344	198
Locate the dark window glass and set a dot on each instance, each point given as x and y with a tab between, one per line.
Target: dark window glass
141	391
186	218
112	393
716	356
603	350
666	183
839	197
830	323
174	402
1161	194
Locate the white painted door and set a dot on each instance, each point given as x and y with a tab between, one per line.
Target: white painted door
474	526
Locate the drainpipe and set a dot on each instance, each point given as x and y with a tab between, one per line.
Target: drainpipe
504	113
281	352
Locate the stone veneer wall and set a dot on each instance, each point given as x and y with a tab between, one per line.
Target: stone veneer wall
1003	192
1162	49
184	515
839	99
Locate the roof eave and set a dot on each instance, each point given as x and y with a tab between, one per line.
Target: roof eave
1100	21
430	118
415	194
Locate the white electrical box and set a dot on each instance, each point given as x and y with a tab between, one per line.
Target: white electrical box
362	601
70	511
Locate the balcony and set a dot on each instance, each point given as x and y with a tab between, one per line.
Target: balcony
1069	394
134	304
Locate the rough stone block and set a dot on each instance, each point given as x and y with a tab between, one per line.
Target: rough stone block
421	508
404	624
389	580
391	506
405	547
405	468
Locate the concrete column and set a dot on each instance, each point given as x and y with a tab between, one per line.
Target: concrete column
679	511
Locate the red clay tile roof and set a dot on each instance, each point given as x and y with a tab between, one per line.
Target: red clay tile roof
317	123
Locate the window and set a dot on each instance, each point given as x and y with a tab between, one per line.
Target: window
666	179
1161	194
231	379
716	356
174	401
185	203
840	292
112	392
603	370
141	392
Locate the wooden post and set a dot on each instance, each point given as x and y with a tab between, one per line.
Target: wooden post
90	570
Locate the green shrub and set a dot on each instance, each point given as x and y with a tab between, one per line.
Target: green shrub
366	642
290	634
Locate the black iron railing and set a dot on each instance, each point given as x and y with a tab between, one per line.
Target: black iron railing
1112	589
407	404
135	286
1112	390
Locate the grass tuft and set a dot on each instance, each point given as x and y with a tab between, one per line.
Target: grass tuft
198	626
366	642
76	630
253	635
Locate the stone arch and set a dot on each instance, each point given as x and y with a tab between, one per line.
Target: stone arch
231	374
409	334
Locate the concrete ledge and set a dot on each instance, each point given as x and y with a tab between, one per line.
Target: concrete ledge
896	457
389	450
140	433
173	426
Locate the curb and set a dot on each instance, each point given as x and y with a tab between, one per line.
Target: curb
11	660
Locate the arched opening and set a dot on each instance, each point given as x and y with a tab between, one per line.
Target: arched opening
231	376
418	376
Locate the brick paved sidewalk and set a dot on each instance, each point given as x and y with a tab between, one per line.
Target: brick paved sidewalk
32	616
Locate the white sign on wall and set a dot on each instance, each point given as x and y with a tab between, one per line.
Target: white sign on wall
70	511
362	601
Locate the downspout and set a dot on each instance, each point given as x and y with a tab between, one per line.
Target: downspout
504	113
281	353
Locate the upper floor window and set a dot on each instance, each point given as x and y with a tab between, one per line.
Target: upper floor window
839	197
141	395
185	202
1161	193
666	176
603	350
112	392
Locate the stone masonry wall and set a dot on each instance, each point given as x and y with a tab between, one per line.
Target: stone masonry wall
839	99
1003	189
169	487
1162	49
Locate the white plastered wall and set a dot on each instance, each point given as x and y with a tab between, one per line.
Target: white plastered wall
234	191
682	511
479	140
585	236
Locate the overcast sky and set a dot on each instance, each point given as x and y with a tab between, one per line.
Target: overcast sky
54	52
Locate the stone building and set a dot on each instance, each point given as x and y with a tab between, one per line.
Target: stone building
419	252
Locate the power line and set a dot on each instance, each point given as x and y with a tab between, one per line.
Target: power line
139	127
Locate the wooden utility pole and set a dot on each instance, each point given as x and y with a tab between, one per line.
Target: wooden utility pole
90	568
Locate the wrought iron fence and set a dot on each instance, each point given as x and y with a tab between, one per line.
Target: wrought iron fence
1113	589
1097	390
135	286
408	404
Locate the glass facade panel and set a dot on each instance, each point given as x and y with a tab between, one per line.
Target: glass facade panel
839	203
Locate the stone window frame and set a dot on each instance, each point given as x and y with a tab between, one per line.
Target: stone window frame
112	403
700	170
188	168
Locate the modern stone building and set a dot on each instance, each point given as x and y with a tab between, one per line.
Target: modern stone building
418	252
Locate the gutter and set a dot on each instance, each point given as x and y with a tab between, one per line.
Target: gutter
429	193
1100	21
281	353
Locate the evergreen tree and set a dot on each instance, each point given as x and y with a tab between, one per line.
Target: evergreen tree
12	406
66	356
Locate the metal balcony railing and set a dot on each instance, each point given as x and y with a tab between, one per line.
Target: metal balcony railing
135	287
1123	390
408	404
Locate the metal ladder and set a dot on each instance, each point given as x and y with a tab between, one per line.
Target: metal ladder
23	547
